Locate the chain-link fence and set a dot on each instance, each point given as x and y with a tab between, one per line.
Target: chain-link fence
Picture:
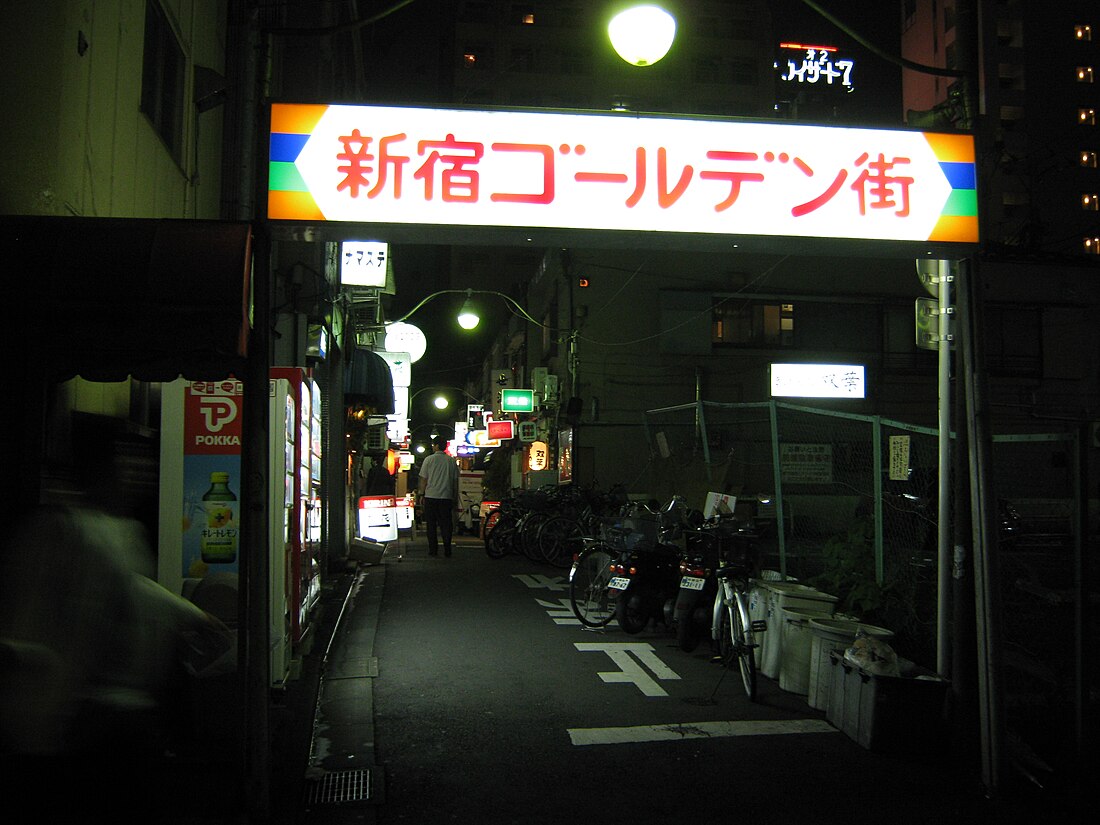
849	503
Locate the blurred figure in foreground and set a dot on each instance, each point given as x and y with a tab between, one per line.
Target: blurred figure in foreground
95	656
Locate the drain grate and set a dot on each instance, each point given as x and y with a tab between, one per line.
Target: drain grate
338	787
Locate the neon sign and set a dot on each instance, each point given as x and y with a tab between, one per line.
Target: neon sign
817	66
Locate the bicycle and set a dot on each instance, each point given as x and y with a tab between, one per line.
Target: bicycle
589	594
731	627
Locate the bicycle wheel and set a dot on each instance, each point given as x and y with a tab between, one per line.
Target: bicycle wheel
500	539
491	519
738	644
588	592
559	538
529	534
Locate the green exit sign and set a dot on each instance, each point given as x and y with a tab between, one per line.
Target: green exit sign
519	401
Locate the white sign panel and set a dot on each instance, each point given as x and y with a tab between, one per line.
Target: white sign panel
363	263
379	164
400	366
899	457
817	381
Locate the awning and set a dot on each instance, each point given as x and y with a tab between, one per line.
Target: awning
368	381
106	298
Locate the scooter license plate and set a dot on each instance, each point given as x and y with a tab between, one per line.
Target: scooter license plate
619	583
691	583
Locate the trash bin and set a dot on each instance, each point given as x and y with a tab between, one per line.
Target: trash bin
832	634
794	666
780	596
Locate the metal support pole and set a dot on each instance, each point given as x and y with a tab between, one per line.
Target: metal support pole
944	532
777	476
984	529
876	461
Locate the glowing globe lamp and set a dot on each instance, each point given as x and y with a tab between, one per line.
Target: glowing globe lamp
642	35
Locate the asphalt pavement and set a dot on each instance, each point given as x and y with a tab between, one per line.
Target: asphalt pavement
463	690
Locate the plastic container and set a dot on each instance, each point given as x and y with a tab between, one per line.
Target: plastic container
904	715
832	634
758	610
780	596
794	667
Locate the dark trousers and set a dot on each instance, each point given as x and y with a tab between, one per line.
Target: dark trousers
438	515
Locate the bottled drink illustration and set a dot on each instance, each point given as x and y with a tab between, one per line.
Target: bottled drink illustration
219	530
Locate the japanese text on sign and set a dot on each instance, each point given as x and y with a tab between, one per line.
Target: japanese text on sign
817	66
362	163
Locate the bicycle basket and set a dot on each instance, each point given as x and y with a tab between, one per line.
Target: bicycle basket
738	548
629	532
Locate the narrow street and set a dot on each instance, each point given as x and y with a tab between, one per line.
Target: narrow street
493	704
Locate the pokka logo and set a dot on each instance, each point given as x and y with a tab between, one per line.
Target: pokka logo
217	412
212	422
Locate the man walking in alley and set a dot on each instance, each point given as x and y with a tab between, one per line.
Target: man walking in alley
439	490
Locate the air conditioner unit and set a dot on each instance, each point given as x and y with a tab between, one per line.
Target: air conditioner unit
538	378
550	389
376	439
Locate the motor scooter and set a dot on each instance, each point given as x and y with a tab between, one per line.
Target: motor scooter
645	574
719	542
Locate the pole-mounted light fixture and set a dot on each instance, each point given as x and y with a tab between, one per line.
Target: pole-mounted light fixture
642	35
467	316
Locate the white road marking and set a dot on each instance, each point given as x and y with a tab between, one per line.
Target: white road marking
629	669
560	611
695	730
540	582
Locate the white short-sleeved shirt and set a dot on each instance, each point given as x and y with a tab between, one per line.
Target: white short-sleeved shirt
440	471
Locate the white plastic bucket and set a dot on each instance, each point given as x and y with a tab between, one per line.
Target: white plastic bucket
794	667
832	634
783	595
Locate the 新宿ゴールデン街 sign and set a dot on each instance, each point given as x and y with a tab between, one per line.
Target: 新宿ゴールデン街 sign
377	164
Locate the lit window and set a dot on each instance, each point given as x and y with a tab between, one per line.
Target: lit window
1086	117
1092	245
1084	74
529	19
1091	202
753	324
1088	159
1082	32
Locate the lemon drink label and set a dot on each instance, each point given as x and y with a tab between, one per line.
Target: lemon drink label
219	537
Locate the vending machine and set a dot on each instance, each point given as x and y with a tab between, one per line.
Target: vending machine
304	569
283	474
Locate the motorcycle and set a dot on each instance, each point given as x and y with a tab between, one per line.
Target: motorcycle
721	541
645	574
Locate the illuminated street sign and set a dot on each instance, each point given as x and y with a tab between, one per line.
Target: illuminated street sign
381	164
519	401
817	380
501	430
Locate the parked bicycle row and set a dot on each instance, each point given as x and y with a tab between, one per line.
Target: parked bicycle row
634	564
549	524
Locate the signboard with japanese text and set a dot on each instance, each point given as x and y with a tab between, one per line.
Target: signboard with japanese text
815	66
818	381
899	457
378	164
806	463
363	263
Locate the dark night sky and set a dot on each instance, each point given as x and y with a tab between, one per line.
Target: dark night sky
453	354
